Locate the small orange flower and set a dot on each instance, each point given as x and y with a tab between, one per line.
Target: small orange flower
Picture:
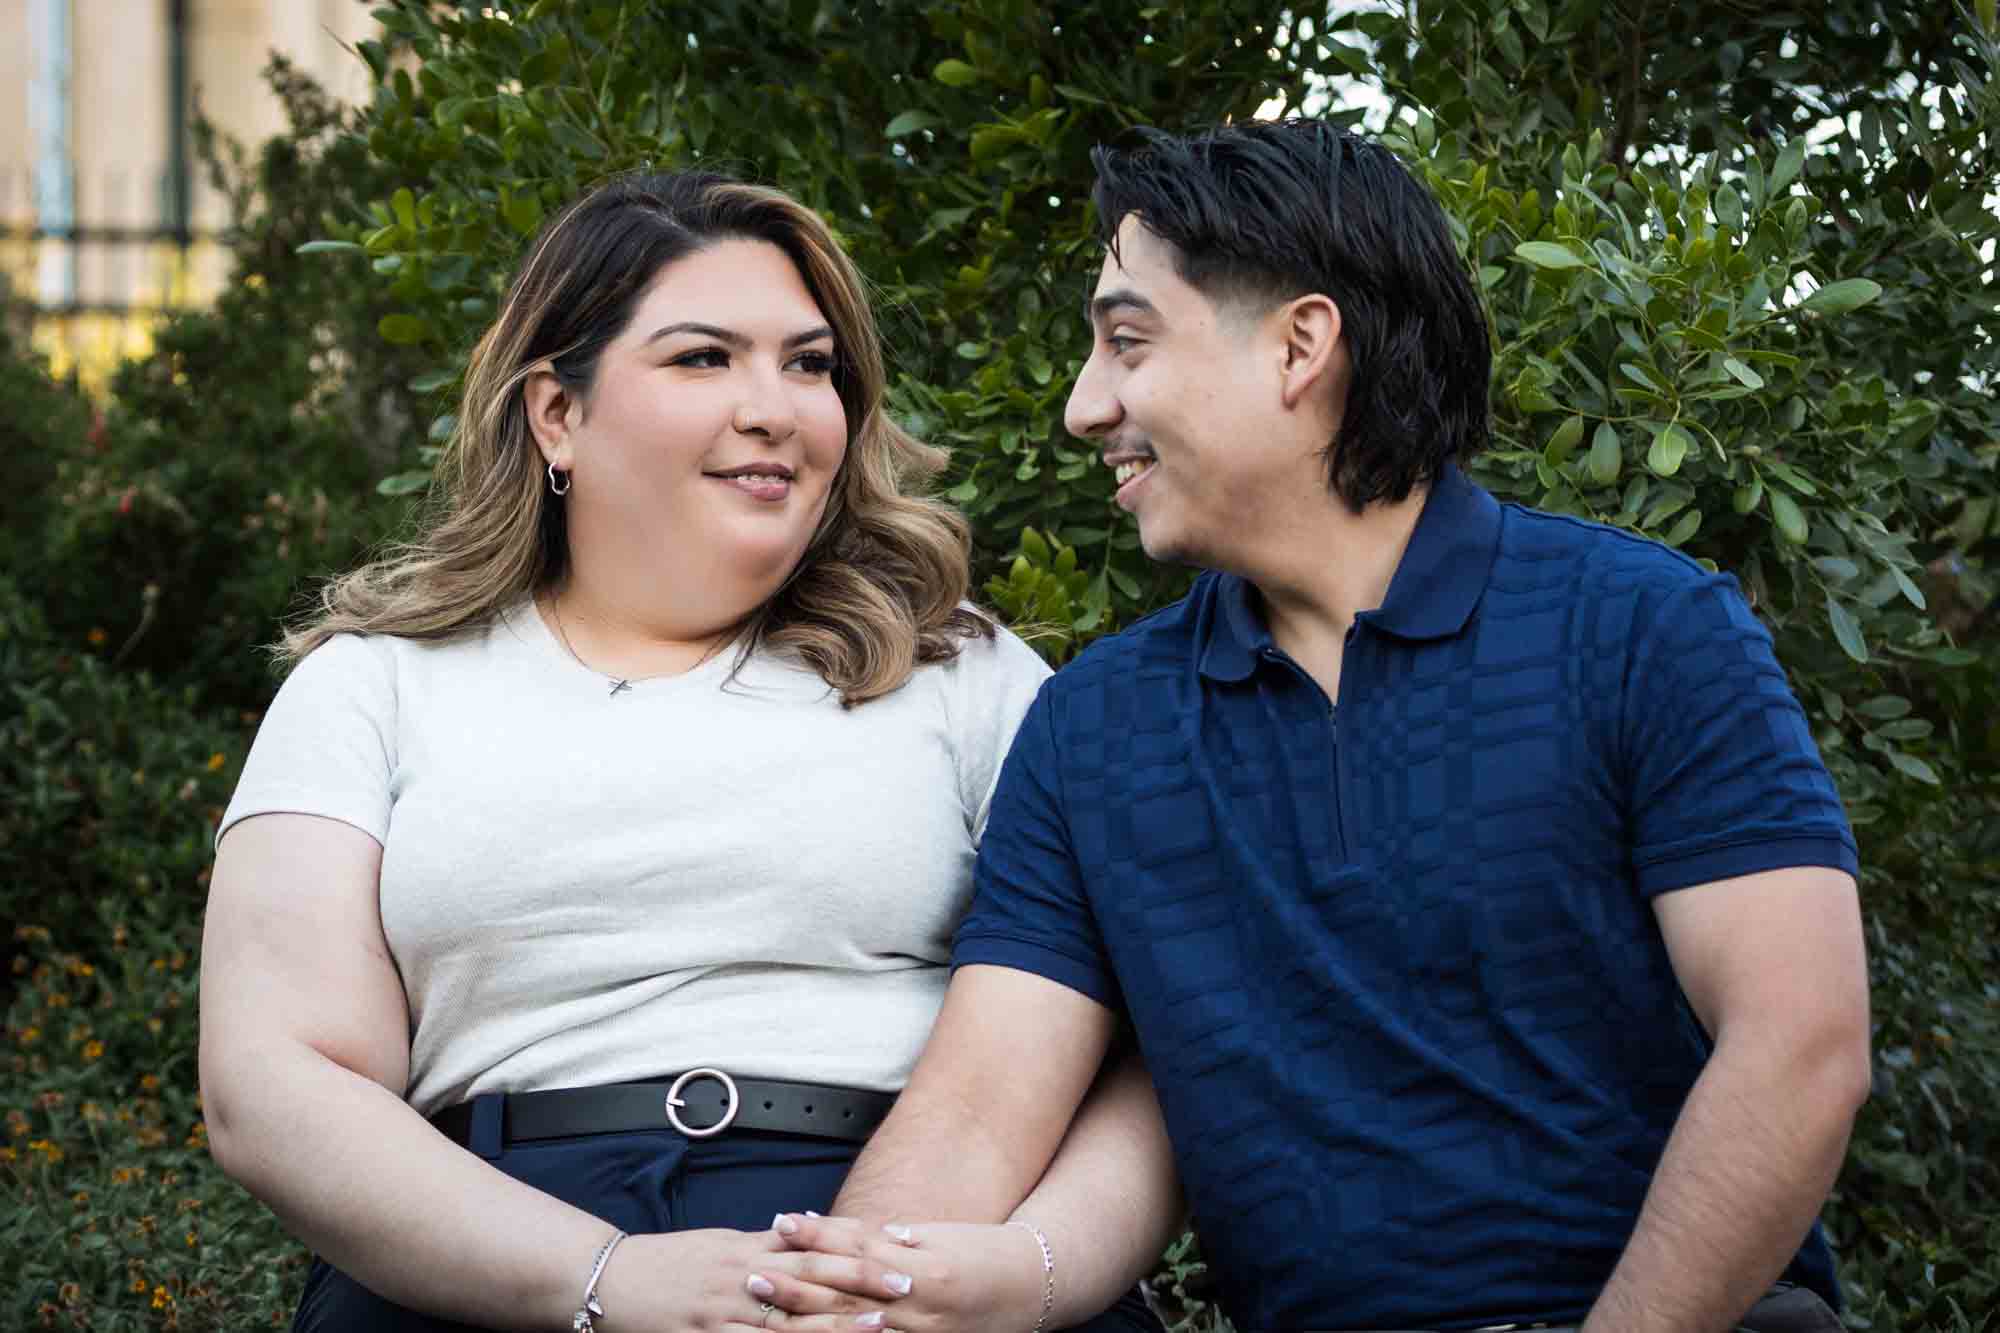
97	638
216	761
162	1298
192	1240
139	1284
93	1050
30	1035
149	1083
8	1154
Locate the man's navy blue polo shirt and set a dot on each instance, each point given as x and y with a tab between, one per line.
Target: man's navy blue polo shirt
1393	965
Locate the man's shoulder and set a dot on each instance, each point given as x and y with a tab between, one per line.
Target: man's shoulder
1603	560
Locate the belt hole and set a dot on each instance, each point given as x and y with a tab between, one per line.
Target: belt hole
848	1114
767	1106
809	1109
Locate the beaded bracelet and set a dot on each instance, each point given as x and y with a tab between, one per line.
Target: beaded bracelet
1048	1270
583	1321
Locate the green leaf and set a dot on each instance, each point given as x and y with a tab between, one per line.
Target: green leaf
1605	455
955	74
1790	161
1547	254
405	205
1745	376
523	211
403	329
433	380
993	140
1911	592
1689	525
1563	443
403	483
331	248
1748	495
1670	447
910	122
1846	630
1837	298
1035	547
964	493
1911	766
1786	514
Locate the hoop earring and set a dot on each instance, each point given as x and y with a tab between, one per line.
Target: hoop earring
555	489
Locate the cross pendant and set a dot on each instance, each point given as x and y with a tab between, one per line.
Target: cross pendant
619	686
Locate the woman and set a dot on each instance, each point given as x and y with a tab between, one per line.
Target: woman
593	872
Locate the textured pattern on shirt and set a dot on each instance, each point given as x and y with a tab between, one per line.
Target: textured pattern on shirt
1395	970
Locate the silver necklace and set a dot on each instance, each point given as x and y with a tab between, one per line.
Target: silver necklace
619	684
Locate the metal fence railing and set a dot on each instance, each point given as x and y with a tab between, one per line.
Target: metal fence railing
89	294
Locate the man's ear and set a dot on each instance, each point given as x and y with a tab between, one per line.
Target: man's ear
553	412
1308	330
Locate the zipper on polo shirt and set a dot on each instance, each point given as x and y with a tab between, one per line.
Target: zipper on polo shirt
1280	656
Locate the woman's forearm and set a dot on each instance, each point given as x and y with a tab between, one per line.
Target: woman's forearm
1110	1202
375	1191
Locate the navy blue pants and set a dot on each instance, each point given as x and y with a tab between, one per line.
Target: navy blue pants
648	1181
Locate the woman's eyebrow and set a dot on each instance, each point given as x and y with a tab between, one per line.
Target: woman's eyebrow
731	338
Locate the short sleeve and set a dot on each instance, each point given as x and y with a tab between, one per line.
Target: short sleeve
1726	779
327	743
1029	909
994	681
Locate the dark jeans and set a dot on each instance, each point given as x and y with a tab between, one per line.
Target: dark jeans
650	1181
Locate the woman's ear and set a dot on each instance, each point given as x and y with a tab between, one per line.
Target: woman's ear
553	412
1309	343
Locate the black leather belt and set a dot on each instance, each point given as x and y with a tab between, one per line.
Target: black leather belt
700	1104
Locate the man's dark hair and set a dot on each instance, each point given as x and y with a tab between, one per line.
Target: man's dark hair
1264	211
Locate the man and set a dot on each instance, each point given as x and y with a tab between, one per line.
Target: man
1467	873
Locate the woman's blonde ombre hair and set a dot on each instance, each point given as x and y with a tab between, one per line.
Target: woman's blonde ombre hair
881	586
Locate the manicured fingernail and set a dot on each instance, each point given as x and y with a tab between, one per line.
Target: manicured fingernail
899	1231
873	1319
760	1287
811	1213
897	1282
783	1225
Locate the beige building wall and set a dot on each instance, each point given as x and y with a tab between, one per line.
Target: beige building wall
120	86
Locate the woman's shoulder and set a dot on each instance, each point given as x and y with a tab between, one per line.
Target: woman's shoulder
1002	655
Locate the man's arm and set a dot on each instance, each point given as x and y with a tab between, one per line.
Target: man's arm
993	1095
1774	967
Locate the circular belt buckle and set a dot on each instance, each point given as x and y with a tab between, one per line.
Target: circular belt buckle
675	1103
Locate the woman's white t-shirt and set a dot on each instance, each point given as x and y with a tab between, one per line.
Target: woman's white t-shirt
582	888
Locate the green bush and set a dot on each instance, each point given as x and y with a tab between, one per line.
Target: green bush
117	1218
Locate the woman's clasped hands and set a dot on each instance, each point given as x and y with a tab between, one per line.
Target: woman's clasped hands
932	1277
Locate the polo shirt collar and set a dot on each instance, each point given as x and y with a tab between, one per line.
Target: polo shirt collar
1439	581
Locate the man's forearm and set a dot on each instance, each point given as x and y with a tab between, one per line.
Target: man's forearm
937	1160
1744	1173
1111	1200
